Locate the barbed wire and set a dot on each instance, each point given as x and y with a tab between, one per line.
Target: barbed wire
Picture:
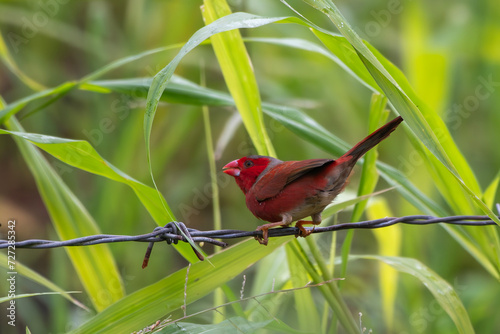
171	234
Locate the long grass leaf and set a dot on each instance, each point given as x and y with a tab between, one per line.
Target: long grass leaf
11	64
166	296
418	117
443	292
94	265
160	81
369	175
330	291
21	269
306	308
239	76
80	154
26	295
13	108
389	244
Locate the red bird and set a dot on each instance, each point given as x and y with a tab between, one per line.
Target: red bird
281	192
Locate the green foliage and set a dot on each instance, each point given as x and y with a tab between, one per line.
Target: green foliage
140	116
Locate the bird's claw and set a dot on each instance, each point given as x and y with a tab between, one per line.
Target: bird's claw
302	230
265	235
265	231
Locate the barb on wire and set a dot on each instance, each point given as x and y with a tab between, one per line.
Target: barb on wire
171	234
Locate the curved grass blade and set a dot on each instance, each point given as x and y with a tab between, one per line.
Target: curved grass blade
13	108
179	90
80	154
443	292
228	326
305	307
11	64
369	175
389	244
236	67
95	265
36	294
160	81
21	269
57	92
165	297
449	163
402	97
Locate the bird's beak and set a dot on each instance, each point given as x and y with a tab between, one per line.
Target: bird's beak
232	168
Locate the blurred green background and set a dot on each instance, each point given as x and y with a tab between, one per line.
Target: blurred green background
448	50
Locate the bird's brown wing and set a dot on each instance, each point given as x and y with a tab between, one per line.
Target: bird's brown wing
278	177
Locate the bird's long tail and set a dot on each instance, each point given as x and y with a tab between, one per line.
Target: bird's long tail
369	142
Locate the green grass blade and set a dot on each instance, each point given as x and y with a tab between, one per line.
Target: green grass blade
126	60
64	88
389	244
490	192
307	311
26	295
443	292
94	265
21	269
161	299
160	81
11	64
330	290
13	108
219	293
80	154
459	198
426	126
231	325
179	90
402	97
238	74
369	175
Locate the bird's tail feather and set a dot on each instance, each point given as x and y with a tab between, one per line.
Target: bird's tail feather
370	141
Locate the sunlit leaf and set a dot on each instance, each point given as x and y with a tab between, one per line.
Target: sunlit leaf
26	295
239	76
389	243
21	269
166	296
94	265
442	291
80	154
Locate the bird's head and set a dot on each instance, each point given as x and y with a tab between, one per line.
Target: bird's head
246	170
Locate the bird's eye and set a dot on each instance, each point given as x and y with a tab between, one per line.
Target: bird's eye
248	163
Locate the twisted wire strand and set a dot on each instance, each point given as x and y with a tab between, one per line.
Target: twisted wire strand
171	234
